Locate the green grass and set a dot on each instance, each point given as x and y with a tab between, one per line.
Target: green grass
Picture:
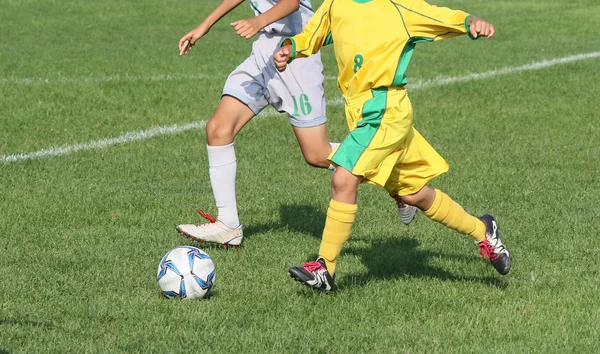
81	235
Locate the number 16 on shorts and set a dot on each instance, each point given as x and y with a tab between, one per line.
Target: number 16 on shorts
301	102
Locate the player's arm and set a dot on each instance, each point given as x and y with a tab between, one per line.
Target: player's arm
247	28
436	23
186	42
313	37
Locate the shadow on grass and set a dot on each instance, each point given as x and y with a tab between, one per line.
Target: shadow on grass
4	351
400	257
301	218
24	323
389	259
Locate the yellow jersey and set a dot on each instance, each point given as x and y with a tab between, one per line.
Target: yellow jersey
374	39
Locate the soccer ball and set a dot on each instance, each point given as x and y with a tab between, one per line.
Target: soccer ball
186	272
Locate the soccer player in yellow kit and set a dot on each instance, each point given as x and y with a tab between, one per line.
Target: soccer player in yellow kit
373	42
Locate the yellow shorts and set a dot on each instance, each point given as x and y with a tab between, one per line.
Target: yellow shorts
383	146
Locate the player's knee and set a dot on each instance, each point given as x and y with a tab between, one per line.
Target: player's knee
316	160
218	133
344	182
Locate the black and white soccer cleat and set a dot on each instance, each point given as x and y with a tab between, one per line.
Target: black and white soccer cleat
314	275
492	247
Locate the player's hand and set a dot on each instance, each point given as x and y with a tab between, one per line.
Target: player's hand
247	28
187	42
282	56
481	28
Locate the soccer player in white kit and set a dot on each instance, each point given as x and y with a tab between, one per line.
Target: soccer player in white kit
253	85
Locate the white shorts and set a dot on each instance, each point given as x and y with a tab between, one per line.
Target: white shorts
298	91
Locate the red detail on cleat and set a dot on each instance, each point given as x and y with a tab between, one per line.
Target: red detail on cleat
487	251
206	216
311	266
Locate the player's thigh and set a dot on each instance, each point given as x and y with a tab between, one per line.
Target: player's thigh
314	144
247	83
243	97
229	118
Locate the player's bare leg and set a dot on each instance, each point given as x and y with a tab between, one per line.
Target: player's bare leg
229	118
423	199
314	145
407	205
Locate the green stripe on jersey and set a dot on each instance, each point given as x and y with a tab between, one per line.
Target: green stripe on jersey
407	52
328	40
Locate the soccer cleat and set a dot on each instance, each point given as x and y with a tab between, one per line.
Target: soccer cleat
214	231
492	247
406	212
313	274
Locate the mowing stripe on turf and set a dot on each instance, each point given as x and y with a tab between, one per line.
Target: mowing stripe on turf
111	78
101	78
175	129
175	77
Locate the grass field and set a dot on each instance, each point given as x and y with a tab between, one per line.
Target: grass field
82	232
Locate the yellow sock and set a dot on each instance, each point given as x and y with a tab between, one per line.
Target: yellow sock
448	212
340	217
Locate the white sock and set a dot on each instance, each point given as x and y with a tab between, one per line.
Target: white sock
333	147
222	170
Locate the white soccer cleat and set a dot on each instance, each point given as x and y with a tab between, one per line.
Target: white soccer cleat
406	212
214	231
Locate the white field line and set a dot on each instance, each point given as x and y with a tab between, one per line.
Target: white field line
441	80
175	129
103	143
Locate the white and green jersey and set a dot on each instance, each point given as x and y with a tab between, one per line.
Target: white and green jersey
288	26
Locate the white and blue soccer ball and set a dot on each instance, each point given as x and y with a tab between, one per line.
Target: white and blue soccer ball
186	272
